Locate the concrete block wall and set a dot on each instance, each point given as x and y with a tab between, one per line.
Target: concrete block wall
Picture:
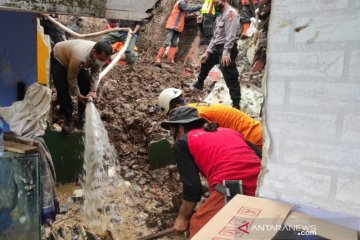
123	9
313	104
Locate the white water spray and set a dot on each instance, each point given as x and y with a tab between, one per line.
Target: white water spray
99	157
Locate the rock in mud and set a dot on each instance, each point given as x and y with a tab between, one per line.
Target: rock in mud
115	219
142	181
151	222
130	175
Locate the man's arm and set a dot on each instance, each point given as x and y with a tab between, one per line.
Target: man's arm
94	78
183	219
189	175
232	26
137	28
185	7
73	73
209	49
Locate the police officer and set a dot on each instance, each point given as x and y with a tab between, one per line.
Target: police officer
223	49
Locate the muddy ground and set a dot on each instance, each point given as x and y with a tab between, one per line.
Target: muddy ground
127	104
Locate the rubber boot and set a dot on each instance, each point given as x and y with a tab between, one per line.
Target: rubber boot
68	126
199	85
171	55
236	104
80	122
159	56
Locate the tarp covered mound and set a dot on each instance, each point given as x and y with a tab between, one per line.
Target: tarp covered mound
28	117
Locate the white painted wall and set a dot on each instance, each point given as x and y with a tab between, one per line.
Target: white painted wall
313	105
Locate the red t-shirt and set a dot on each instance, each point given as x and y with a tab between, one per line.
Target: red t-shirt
220	155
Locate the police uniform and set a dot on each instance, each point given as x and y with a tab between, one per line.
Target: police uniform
226	33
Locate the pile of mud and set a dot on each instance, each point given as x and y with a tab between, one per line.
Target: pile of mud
126	102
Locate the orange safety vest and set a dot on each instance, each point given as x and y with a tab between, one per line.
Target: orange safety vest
176	19
246	2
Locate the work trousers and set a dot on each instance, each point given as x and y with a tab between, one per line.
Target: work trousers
115	37
171	38
207	28
206	211
230	72
59	76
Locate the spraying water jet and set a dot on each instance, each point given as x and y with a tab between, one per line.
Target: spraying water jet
99	156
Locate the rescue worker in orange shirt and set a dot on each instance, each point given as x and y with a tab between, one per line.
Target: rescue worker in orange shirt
224	115
174	27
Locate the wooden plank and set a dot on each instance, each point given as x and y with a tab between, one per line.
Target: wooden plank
11	137
19	148
118	9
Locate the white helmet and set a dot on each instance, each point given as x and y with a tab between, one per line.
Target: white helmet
165	98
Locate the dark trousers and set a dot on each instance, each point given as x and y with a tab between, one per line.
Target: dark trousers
207	28
230	72
59	76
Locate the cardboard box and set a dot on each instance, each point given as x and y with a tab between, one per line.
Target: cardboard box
246	217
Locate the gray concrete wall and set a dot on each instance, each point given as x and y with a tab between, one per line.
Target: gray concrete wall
119	9
313	104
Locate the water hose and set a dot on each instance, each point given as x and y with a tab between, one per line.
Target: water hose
84	35
117	56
